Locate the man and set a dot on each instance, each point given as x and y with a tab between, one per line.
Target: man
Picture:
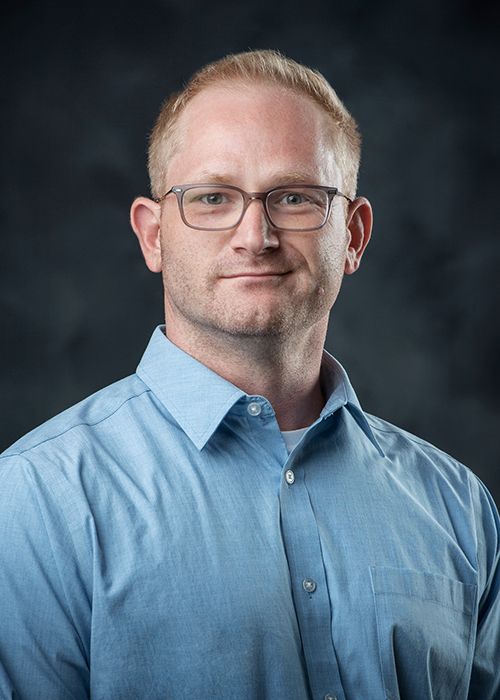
228	523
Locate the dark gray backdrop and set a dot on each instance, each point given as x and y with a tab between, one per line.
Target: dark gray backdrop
417	327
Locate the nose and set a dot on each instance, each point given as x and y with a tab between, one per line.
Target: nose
255	233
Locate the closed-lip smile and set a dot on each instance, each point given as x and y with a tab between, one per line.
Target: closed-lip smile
256	273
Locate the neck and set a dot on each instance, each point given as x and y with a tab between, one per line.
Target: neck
285	370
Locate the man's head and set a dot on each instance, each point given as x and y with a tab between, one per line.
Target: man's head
259	68
255	278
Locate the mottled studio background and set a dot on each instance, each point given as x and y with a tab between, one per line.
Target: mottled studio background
417	327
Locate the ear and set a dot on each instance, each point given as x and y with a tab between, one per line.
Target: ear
145	219
359	223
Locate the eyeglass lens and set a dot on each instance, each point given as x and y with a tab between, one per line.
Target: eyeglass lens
219	207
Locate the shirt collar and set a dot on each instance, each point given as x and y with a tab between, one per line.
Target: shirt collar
194	395
338	389
199	399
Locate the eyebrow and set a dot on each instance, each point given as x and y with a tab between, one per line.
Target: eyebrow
278	178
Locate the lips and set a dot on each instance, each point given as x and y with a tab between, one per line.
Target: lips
256	273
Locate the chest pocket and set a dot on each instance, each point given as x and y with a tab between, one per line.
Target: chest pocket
425	625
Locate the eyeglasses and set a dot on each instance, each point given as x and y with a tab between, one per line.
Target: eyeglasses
218	208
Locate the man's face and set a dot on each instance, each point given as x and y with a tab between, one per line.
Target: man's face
252	280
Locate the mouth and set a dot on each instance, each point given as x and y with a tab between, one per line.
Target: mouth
257	274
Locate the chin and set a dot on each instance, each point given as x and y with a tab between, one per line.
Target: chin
251	331
263	325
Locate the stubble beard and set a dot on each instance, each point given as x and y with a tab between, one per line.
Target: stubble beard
265	334
266	322
207	311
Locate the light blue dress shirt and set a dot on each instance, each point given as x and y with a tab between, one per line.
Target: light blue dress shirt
158	542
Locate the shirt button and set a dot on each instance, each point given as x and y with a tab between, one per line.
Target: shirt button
289	476
330	696
310	586
254	408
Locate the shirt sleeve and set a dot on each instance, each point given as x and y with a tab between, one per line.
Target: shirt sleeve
45	604
485	676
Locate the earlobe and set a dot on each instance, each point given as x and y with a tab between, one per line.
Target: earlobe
145	220
359	223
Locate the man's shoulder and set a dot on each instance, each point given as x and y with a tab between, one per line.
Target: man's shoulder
401	446
392	432
102	406
423	468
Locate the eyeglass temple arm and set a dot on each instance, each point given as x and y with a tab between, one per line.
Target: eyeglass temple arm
157	200
335	192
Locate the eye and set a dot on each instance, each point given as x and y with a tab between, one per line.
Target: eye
213	198
293	198
208	196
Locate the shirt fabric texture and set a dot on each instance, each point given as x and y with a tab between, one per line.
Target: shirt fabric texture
159	542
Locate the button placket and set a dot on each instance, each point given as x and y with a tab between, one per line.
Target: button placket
305	557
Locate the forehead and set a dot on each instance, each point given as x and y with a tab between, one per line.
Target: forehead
254	127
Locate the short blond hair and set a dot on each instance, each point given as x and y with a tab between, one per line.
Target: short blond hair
257	67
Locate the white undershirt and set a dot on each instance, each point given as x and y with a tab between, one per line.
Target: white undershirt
292	438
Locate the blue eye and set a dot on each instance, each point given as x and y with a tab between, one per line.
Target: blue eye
213	198
293	198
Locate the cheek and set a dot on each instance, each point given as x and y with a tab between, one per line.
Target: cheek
187	259
331	255
329	272
176	249
177	269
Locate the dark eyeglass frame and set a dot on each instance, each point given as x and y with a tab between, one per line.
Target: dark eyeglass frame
180	190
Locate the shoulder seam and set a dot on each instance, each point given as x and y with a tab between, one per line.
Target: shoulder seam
20	453
412	438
